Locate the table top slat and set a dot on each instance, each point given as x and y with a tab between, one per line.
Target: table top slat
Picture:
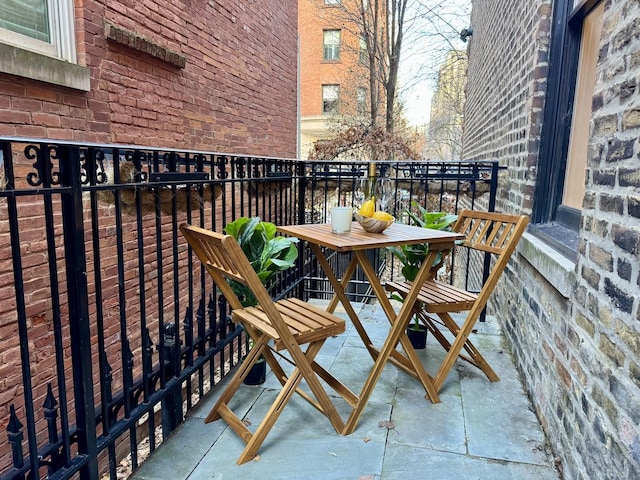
358	239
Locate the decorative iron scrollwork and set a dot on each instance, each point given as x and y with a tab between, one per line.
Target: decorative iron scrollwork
137	158
44	174
171	161
92	168
221	167
241	171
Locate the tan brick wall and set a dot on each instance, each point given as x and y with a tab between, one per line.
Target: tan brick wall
575	344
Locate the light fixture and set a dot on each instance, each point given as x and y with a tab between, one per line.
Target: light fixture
466	32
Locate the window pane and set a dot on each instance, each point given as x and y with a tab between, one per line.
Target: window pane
27	17
364	57
362	100
332	44
573	192
330	98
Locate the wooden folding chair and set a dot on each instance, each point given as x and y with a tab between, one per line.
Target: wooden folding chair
494	234
273	326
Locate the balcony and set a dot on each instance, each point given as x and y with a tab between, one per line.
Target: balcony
479	430
115	341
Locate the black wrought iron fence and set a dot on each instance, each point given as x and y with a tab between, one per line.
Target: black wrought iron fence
110	331
435	186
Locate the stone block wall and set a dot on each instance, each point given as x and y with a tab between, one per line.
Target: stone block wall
218	76
572	326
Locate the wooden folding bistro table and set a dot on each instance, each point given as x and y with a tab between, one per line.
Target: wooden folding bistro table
358	241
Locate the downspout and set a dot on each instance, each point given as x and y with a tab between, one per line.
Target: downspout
298	140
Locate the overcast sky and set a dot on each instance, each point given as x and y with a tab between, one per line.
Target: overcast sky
427	43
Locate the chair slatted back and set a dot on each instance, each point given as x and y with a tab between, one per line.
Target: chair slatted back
224	260
489	232
493	233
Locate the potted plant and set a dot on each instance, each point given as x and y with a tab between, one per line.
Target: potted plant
412	256
268	255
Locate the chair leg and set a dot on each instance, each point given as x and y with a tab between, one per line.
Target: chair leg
236	380
304	362
304	371
254	443
462	337
290	385
475	357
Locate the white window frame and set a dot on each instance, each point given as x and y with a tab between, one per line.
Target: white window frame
363	54
62	33
330	94
331	51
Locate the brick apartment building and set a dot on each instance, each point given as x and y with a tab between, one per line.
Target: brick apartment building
552	93
333	72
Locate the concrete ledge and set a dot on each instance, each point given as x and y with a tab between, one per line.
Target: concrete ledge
28	64
556	268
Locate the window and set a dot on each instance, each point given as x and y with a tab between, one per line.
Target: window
330	98
41	26
364	56
37	41
574	189
331	44
564	137
362	101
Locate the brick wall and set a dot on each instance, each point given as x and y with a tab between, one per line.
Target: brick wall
503	118
236	92
218	76
576	339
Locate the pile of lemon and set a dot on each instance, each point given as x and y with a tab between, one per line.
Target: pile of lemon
368	209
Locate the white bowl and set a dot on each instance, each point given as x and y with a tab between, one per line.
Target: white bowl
373	225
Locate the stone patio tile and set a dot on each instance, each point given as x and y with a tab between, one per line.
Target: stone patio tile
404	462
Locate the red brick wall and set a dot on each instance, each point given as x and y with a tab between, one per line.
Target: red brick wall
236	93
314	17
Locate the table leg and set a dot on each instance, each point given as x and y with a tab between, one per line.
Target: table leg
389	345
340	295
411	364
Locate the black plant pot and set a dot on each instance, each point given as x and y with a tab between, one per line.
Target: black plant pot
417	336
258	373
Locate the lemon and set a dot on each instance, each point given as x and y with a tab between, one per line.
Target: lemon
382	216
368	208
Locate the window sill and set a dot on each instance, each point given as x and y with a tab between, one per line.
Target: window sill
28	64
557	269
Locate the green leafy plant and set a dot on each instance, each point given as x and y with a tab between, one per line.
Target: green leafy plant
267	253
412	256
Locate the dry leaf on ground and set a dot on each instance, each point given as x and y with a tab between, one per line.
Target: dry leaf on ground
388	424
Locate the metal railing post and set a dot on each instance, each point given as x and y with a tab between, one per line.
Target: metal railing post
172	401
79	328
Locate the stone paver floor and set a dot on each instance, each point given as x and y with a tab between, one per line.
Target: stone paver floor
480	430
